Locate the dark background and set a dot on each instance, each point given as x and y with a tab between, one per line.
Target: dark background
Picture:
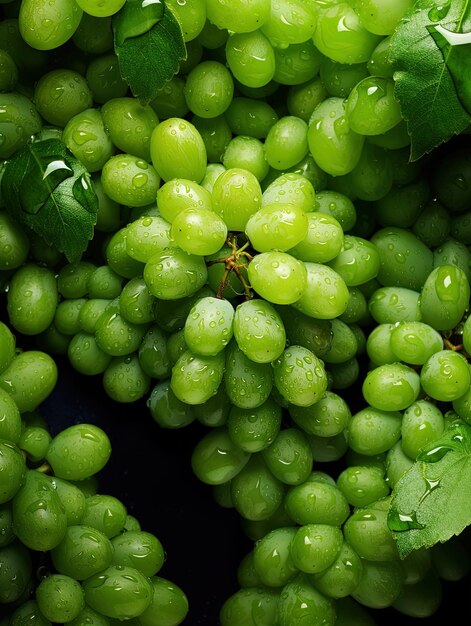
150	472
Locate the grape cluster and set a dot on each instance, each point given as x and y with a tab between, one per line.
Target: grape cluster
266	261
68	553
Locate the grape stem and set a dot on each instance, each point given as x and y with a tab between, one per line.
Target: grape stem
233	264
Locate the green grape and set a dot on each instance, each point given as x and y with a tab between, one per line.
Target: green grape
139	549
421	599
453	252
191	15
250	58
34	441
208	327
216	459
278	277
300	376
86	356
209	89
72	279
120	592
334	146
381	16
291	188
338	206
252	605
255	429
324	239
74	96
169	100
93	35
255	492
246	153
391	305
358	261
339	79
246	574
339	579
10	418
405	261
79	451
90	313
250	117
367	532
176	345
241	16
297	63
147	236
39	518
290	21
115	335
362	485
85	136
83	552
272	557
326	295
289	456
45	26
415	342
445	376
300	601
103	75
277	225
13	468
178	150
214	412
8	72
15	573
29	379
136	303
248	384
173	274
216	135
168	607
397	464
129	125
286	143
72	498
302	99
166	409
32	299
211	37
422	424
101	8
60	598
327	417
194	54
357	309
391	387
259	331
124	380
315	547
105	513
372	177
341	36
371	106
199	231
195	378
372	431
380	584
153	353
236	196
444	297
179	194
130	180
52	341
410	199
14	243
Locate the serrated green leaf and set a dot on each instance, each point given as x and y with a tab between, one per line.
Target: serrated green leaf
432	501
46	188
425	86
149	44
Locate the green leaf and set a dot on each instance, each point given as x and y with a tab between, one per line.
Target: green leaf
46	188
425	73
432	501
149	44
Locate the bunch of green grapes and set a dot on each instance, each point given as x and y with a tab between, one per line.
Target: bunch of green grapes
68	553
266	261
